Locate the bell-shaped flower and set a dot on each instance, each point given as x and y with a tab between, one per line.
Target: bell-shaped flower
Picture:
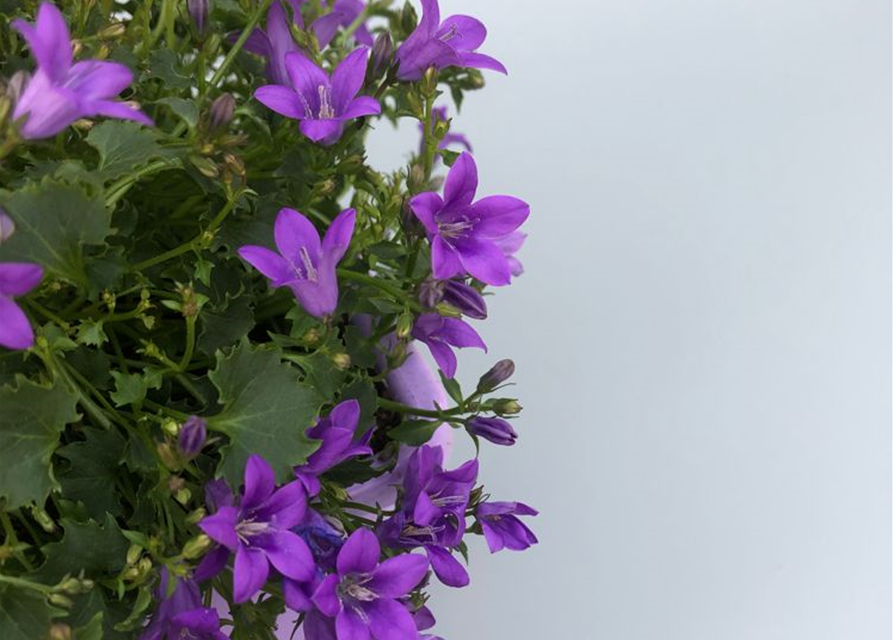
61	91
343	14
181	614
451	43
304	264
258	531
501	526
465	236
276	41
321	103
440	334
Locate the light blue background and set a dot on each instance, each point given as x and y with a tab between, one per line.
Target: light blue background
703	332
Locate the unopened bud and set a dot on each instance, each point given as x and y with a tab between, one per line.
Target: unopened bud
496	430
397	356
351	164
167	456
114	30
447	310
197	516
312	337
134	553
341	361
222	110
429	82
408	18
196	547
183	496
205	166
416	178
192	437
404	326
60	631
465	298
382	54
507	407
175	483
61	601
43	519
499	373
198	11
431	292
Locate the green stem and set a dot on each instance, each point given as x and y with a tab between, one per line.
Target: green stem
347	33
118	189
190	344
390	405
430	144
12	540
396	292
27	584
243	38
173	413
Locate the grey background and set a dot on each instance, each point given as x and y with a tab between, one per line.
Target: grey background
703	331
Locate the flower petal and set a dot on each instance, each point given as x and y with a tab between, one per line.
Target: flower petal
269	263
289	554
484	260
460	334
425	511
212	564
98	80
15	329
338	236
445	260
326	598
390	620
350	626
358	107
286	507
444	357
119	110
347	78
250	573
323	132
18	278
49	40
296	598
462	33
221	527
346	415
499	216
397	576
462	181
306	78
447	568
325	27
282	100
425	206
360	553
295	235
481	61
260	480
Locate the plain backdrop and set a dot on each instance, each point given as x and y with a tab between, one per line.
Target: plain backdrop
703	332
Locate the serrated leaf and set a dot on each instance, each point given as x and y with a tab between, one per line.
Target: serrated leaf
266	411
91	475
224	325
135	619
414	432
122	146
185	109
130	388
98	550
164	65
54	223
91	333
31	419
24	615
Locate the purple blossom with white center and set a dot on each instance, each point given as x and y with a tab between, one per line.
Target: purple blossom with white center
60	91
496	430
432	514
16	279
258	531
451	43
321	103
343	14
501	526
336	433
363	594
304	264
440	334
464	235
275	42
460	139
181	615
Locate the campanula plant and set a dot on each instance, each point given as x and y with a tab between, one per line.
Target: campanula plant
218	414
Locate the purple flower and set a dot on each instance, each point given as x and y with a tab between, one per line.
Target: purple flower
322	104
432	514
465	298
363	595
16	279
343	13
496	430
258	531
323	539
276	42
337	435
498	373
502	528
198	11
61	92
440	334
181	615
437	44
192	437
304	264
440	115
464	235
510	245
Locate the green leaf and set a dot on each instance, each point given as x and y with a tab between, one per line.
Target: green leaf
24	615
91	333
414	432
135	619
185	109
122	146
129	388
266	410
54	223
98	550
91	476
224	325
31	419
452	388
92	630
164	65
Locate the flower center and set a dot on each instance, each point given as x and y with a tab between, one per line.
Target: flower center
326	110
249	528
454	230
412	533
309	273
450	33
353	589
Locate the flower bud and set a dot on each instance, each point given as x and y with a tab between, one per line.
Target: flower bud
408	18
496	430
134	553
222	110
166	455
506	407
429	82
404	326
170	427
192	437
43	519
114	30
341	361
60	631
465	298
382	54
196	547
431	292
499	373
198	10
61	601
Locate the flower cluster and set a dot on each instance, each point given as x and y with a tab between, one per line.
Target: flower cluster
217	420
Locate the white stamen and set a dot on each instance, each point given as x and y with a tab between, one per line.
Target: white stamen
326	111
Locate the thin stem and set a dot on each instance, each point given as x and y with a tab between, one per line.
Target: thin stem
12	540
396	292
360	19
190	344
27	584
390	405
243	38
118	189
